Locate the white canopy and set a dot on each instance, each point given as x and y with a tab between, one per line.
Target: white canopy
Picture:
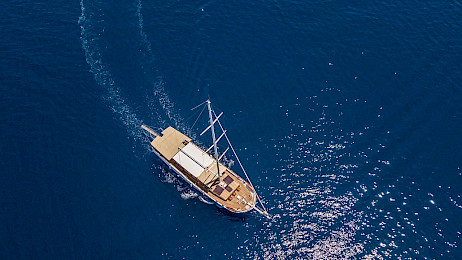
193	159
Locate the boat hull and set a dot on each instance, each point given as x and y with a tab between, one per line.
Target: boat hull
178	172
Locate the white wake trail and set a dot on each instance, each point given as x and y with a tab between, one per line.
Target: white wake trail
93	56
159	91
92	45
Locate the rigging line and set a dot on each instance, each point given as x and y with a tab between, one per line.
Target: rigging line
191	116
198	117
239	161
263	212
198	105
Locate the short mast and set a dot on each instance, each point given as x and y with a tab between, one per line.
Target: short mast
215	149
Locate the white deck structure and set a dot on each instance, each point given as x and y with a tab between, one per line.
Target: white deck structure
193	159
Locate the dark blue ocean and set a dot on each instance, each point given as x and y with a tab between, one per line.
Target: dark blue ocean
346	114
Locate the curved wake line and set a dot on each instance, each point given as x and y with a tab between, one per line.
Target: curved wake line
161	98
90	44
104	78
159	89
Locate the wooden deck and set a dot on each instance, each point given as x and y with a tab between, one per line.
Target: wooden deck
227	188
236	195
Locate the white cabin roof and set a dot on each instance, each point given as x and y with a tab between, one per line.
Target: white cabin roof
193	159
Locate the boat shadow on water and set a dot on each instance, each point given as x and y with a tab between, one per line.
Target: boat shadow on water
234	217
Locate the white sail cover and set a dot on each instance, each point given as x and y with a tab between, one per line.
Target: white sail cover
193	159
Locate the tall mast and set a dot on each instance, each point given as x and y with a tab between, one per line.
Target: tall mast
215	149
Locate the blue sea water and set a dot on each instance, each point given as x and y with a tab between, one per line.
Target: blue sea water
346	114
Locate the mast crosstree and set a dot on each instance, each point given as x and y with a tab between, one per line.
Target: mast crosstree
212	121
215	148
